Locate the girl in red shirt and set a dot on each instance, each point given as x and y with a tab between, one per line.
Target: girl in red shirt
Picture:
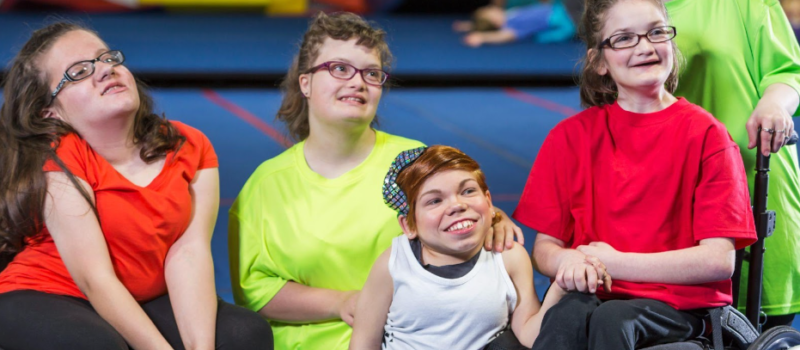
106	211
650	184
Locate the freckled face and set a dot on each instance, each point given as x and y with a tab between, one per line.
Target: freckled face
453	214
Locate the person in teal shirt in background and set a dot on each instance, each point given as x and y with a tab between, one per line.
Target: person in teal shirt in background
743	66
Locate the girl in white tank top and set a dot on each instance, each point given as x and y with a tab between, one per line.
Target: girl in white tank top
436	288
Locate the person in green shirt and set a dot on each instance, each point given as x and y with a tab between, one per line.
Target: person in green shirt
743	66
308	224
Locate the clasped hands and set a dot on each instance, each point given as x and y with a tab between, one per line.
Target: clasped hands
583	270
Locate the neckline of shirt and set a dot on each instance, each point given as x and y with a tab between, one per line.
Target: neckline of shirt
618	114
352	175
420	271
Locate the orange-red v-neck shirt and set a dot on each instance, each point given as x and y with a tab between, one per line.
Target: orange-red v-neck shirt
139	224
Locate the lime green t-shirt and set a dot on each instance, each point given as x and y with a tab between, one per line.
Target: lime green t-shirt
734	50
291	224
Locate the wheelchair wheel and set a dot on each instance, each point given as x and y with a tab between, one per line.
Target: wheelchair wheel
778	338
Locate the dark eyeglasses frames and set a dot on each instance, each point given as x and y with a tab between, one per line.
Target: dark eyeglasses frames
344	71
626	40
84	69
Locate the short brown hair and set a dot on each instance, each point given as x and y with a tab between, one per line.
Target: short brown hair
338	26
434	160
596	89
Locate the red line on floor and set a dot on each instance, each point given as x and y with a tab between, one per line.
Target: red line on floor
248	117
540	102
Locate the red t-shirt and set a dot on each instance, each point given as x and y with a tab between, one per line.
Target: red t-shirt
642	183
140	224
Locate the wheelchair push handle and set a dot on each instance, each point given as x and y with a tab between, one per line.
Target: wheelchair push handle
765	224
793	138
762	162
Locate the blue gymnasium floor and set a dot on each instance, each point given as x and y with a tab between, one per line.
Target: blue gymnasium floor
504	140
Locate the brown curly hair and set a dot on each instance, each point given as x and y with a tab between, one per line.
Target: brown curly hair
339	26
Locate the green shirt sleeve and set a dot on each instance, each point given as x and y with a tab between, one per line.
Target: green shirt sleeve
774	45
253	273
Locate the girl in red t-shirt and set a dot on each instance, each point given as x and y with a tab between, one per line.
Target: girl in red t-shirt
106	210
650	184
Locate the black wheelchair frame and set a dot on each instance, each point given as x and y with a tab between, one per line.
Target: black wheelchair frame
730	329
777	338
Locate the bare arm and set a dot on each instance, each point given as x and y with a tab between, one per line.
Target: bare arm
373	306
534	326
712	260
82	246
568	267
189	267
298	303
523	320
527	318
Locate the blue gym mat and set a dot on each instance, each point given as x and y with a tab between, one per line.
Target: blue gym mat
256	44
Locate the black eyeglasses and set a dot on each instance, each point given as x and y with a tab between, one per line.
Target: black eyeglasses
344	71
626	40
84	69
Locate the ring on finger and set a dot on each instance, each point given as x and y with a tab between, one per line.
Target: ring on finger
769	131
777	131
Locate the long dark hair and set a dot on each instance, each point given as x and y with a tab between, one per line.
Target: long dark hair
338	26
28	140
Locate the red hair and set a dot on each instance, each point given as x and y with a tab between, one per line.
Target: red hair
434	160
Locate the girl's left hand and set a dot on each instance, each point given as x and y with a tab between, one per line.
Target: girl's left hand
775	123
502	234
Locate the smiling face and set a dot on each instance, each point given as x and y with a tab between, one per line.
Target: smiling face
108	93
645	67
452	214
337	102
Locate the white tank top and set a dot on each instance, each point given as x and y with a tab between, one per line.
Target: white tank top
431	312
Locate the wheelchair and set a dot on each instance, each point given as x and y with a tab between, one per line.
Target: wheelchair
731	330
742	333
